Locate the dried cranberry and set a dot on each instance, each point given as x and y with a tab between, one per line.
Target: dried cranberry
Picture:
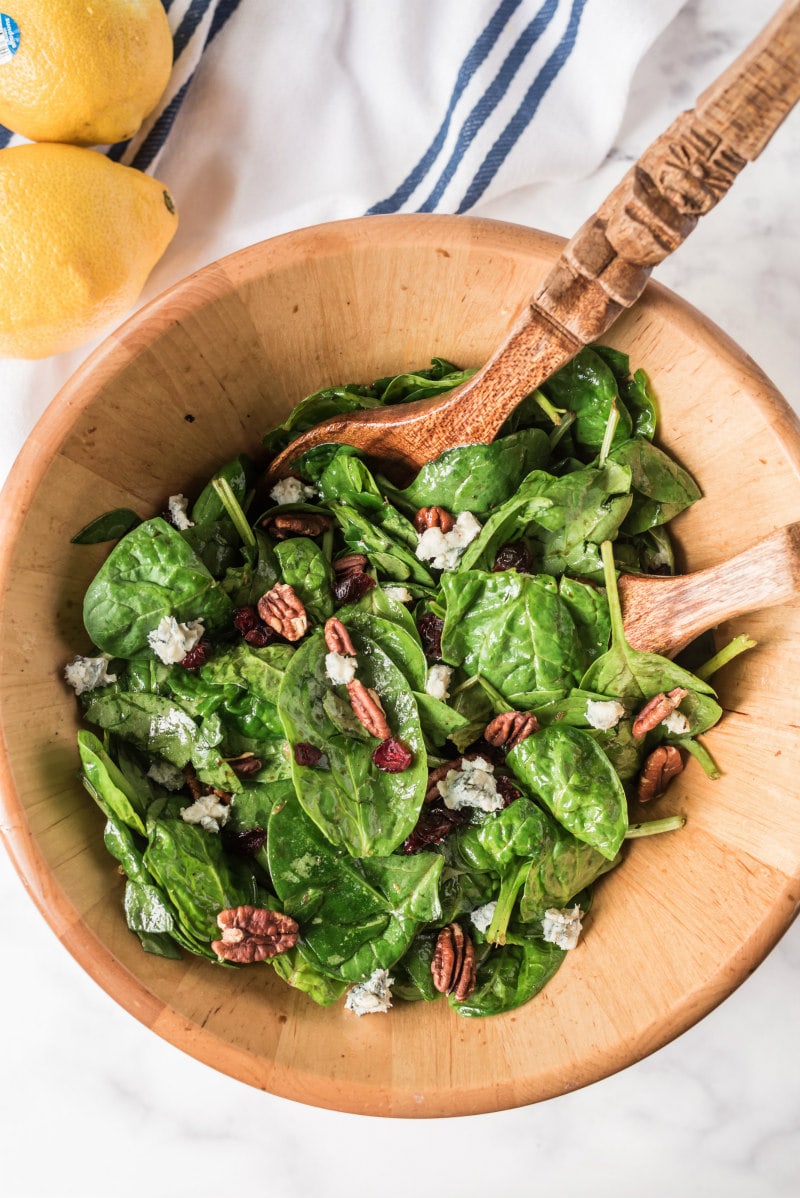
514	556
392	756
435	823
245	618
248	622
247	842
349	588
430	629
198	656
306	754
506	789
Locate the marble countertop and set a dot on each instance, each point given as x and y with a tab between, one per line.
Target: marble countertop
93	1104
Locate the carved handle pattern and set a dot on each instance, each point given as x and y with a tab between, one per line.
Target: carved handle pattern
683	174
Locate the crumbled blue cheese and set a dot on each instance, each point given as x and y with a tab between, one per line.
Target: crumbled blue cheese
562	926
372	997
178	507
399	594
437	682
604	713
87	673
208	812
473	785
171	641
292	490
482	916
444	549
165	774
340	667
676	723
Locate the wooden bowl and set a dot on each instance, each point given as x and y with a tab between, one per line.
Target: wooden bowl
196	377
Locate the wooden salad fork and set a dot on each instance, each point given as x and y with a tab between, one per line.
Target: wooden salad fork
663	613
603	269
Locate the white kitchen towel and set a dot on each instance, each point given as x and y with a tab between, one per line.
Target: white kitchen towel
285	113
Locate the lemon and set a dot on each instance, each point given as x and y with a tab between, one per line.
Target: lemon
82	71
80	234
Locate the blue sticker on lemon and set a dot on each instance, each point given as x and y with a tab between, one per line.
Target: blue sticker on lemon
9	38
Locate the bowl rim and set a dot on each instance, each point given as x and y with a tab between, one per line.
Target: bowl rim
26	474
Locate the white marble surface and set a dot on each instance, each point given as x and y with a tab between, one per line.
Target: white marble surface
92	1105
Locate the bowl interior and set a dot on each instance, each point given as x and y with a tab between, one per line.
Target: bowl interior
197	377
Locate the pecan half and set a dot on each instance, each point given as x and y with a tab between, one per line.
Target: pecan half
351	563
337	638
656	710
453	965
510	729
281	609
367	708
434	517
659	768
296	524
253	934
438	775
245	765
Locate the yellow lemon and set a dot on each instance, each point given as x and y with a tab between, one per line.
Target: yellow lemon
82	71
80	234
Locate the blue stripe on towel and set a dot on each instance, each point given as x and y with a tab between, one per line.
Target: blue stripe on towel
484	108
157	136
475	57
525	113
185	31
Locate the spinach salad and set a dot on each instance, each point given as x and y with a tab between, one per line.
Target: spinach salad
381	739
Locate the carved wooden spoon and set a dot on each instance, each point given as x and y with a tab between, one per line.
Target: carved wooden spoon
604	267
663	614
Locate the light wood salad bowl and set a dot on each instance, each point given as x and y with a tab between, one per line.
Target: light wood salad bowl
195	378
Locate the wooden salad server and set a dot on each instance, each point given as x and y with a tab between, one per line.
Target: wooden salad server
603	269
663	613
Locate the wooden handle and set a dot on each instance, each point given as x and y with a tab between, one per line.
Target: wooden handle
683	174
663	614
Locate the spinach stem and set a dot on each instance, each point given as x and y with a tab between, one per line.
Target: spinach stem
234	510
547	407
701	754
670	823
739	644
608	436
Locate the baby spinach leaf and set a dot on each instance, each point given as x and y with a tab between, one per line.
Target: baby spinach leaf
422	384
301	975
258	573
474	478
216	544
506	844
441	722
151	573
370	526
572	777
586	507
587	387
108	527
354	916
306	569
588	607
509	975
399	645
626	673
512	629
413	979
569	866
663	488
356	805
329	401
240	474
190	865
634	390
108	785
